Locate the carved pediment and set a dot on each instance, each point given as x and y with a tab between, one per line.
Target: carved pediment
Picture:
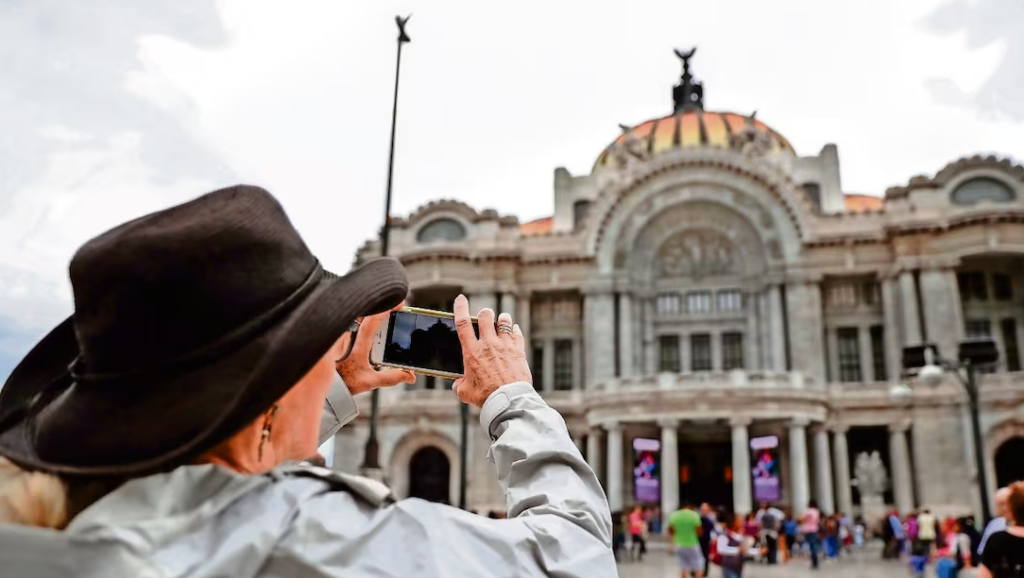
697	254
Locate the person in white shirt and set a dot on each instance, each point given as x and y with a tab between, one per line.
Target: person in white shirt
998	524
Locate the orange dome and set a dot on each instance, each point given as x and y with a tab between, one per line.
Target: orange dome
692	128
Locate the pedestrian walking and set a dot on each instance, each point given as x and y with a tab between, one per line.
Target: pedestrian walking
810	526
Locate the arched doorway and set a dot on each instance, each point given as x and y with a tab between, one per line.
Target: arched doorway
1010	462
429	475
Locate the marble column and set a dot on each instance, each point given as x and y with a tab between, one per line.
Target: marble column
902	478
599	335
522	316
943	312
891	329
800	481
613	483
910	321
752	341
507	304
742	494
650	342
776	330
482	300
626	335
867	358
803	308
548	369
823	471
594	452
841	465
669	467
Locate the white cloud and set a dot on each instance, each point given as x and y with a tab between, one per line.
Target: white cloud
115	108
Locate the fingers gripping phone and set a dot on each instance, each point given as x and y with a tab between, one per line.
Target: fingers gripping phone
421	341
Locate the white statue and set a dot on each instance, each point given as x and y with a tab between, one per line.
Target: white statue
872	479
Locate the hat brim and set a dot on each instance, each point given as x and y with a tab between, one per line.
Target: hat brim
87	430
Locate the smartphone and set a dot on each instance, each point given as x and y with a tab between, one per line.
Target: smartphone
421	341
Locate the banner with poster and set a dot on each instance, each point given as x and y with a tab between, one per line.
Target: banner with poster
647	470
767	486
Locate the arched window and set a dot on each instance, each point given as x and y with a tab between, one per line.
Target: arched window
579	213
982	189
441	230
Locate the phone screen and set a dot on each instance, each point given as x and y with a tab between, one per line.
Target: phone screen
424	341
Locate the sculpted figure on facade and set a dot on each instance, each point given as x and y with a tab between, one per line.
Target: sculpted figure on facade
696	254
872	478
751	140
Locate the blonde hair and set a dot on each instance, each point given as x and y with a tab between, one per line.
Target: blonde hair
43	500
32	498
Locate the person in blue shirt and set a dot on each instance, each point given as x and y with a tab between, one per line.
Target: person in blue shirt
998	524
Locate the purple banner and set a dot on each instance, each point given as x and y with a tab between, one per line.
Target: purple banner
647	470
767	487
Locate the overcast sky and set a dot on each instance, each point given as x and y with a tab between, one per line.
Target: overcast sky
113	108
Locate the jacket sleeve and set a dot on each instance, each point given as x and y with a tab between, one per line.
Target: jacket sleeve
339	409
558	519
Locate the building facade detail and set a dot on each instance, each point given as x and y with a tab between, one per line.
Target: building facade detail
708	288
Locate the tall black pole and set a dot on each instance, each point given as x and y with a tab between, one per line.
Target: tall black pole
979	455
371	457
463	453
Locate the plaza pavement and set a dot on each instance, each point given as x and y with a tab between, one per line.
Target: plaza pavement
658	564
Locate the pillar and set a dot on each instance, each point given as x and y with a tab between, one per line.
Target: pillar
841	466
891	329
910	321
803	308
594	452
650	343
899	455
798	465
599	335
669	467
823	471
522	316
742	494
507	304
867	358
776	331
943	313
626	335
482	300
548	369
613	483
751	340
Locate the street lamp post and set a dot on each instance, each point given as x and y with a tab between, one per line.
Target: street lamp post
371	456
463	453
931	368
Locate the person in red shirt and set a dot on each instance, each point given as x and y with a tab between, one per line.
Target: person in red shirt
637	529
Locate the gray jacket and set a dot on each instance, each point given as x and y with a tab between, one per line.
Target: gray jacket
206	521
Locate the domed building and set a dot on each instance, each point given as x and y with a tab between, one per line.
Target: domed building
709	301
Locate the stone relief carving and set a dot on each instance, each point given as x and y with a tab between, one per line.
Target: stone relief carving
871	476
630	150
751	140
697	254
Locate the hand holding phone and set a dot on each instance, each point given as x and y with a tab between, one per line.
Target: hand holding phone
439	343
494	356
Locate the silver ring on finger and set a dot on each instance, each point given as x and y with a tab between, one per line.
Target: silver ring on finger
504	329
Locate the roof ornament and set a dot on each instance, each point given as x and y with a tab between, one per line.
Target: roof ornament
688	94
751	140
629	148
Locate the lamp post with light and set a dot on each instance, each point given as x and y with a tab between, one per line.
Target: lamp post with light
931	368
371	455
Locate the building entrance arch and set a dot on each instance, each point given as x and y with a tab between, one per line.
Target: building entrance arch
1009	465
429	475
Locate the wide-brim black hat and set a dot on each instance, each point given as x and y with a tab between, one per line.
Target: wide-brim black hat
189	324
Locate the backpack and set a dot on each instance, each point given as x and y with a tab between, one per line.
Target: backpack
768	521
713	556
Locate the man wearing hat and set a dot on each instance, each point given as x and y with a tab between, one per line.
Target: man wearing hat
158	430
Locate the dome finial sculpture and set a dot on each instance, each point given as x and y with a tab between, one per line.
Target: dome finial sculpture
688	94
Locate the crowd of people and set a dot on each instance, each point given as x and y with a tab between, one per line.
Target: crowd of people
710	536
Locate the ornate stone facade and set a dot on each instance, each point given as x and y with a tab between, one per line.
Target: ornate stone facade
707	290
